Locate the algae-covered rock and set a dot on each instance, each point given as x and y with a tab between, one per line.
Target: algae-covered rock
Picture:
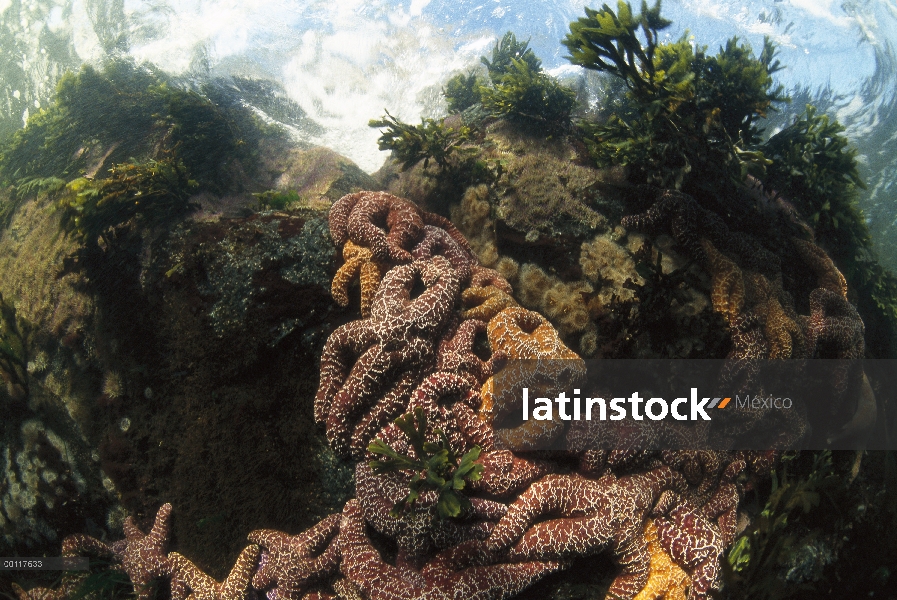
52	482
241	307
317	174
172	363
274	267
542	192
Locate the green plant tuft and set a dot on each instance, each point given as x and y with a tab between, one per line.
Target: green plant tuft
688	119
815	167
122	113
151	193
435	466
276	199
431	140
462	91
506	51
527	94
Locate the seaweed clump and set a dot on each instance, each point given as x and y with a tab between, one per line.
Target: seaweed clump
435	465
814	165
517	90
521	90
808	170
674	88
128	114
153	193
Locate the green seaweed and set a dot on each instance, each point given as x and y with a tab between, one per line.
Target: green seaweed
462	92
756	558
106	582
693	121
151	193
410	144
689	118
815	167
608	41
506	52
276	199
529	95
125	113
435	465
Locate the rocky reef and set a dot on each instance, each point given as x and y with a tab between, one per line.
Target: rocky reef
162	320
514	518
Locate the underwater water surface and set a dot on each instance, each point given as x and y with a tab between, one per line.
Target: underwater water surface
184	320
342	63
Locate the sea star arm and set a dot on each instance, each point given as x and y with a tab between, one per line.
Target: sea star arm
291	563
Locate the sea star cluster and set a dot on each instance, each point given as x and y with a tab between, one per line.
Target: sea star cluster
435	337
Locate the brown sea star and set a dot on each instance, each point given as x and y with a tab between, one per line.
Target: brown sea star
142	556
391	350
291	563
586	517
693	542
467	570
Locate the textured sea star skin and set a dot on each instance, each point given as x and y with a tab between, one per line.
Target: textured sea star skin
362	217
142	556
747	339
590	516
677	210
539	360
189	582
438	242
785	337
42	593
666	579
827	274
727	291
835	328
342	349
692	541
456	353
291	563
372	395
688	222
338	218
505	474
526	335
443	223
458	420
748	347
401	219
359	262
723	507
465	571
699	467
398	337
427	313
79	545
485	302
483	277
